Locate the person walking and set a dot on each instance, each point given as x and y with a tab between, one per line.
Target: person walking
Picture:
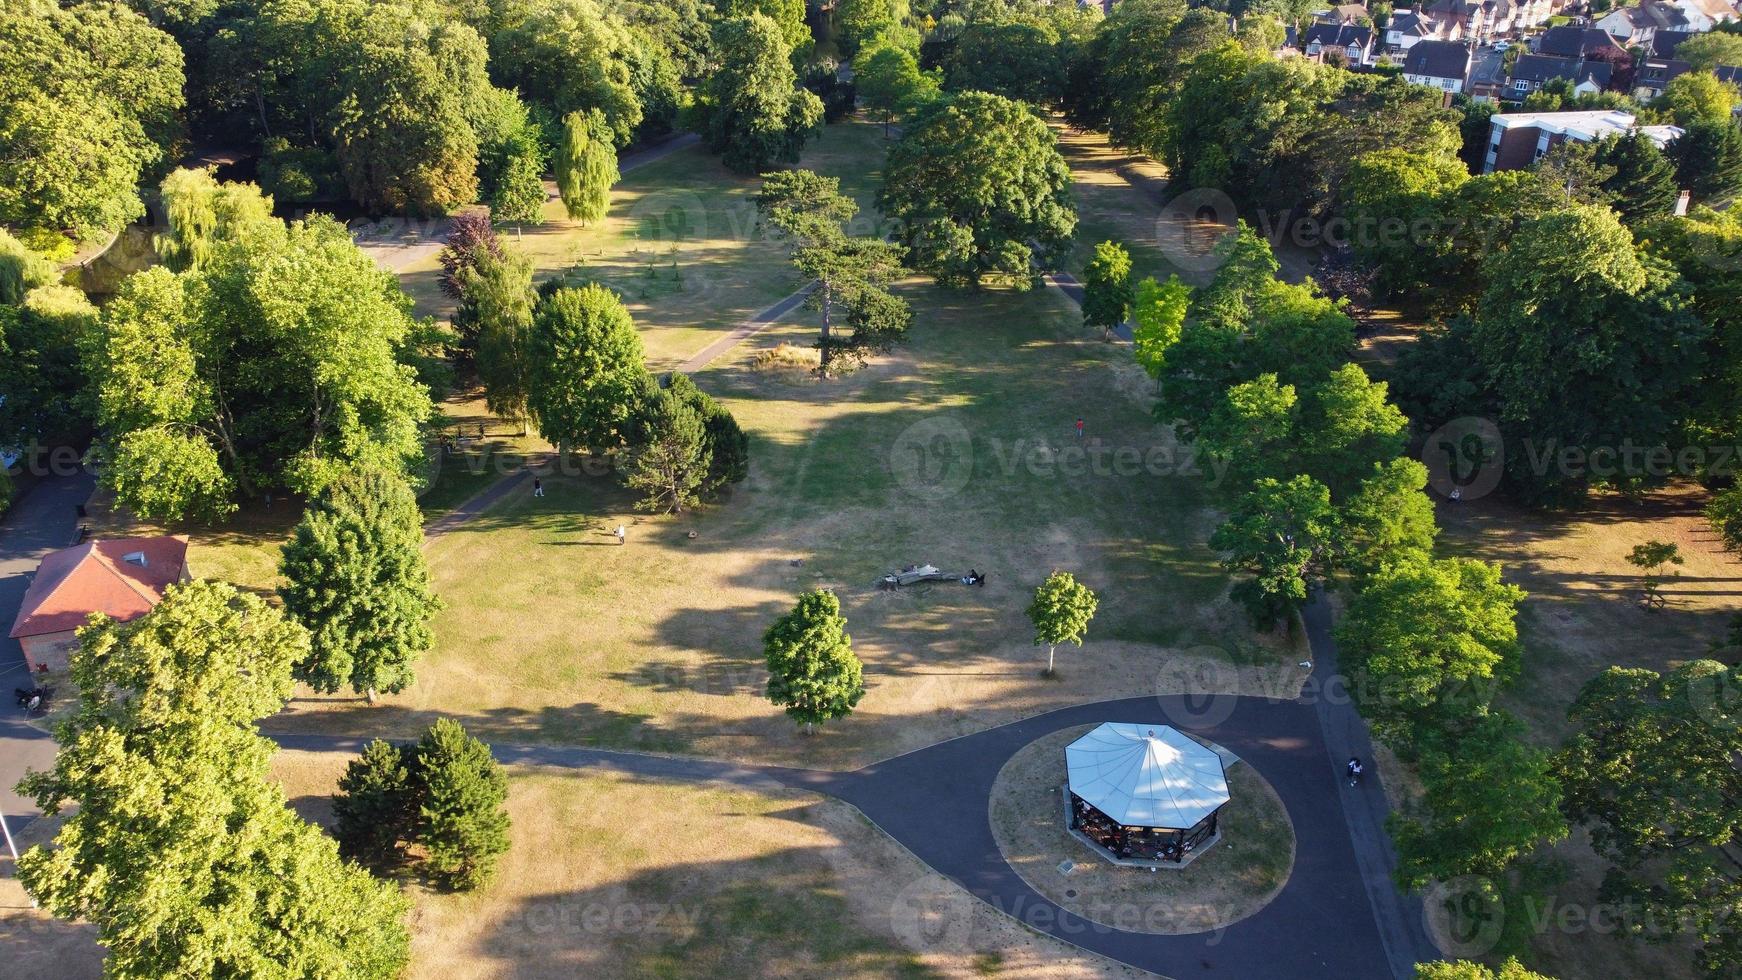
1079	429
621	534
537	487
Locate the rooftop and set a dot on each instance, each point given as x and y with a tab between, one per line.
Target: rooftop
1585	125
1146	775
121	577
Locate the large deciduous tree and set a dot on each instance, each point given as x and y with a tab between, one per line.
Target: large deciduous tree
753	112
586	368
1107	292
1651	771
179	845
812	670
274	365
978	191
498	307
890	84
1586	344
356	578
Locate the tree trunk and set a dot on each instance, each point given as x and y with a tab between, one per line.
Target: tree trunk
828	302
369	695
1049	652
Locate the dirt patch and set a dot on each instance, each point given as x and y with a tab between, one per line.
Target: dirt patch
1235	878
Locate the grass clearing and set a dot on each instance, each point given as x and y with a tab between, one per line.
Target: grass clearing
957	449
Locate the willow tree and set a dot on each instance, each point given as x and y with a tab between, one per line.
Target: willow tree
586	166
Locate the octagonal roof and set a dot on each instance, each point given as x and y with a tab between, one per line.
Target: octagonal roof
1146	775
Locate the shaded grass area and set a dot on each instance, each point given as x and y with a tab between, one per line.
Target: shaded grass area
958	450
683	243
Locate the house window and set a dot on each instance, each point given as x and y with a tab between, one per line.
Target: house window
1521	85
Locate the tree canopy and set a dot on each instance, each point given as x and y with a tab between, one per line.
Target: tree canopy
586	368
812	670
753	112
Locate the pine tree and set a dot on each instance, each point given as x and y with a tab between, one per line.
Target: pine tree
671	465
812	670
586	166
357	579
376	806
178	846
462	823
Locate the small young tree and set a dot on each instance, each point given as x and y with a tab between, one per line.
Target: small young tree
812	670
462	823
375	810
1158	314
1650	558
356	577
670	467
586	166
1107	292
1061	611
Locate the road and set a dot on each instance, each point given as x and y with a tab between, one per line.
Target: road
43	519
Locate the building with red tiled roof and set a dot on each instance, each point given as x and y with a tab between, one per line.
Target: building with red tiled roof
122	578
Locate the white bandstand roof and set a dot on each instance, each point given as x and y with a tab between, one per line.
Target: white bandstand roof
1146	775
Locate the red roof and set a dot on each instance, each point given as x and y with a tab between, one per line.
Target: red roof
122	578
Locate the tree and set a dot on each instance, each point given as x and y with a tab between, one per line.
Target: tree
672	462
862	20
1570	310
1488	798
1698	96
398	125
586	166
1708	161
42	379
179	846
851	272
462	822
1650	771
1388	518
812	671
1395	201
497	311
1060	612
1471	970
356	578
1107	293
90	101
1284	535
586	366
1158	314
1643	185
1018	59
470	234
275	364
890	84
375	810
518	195
21	270
572	56
1650	558
753	112
1710	50
203	213
788	17
724	443
1429	643
978	190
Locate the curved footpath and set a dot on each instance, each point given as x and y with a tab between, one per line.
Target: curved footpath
1338	915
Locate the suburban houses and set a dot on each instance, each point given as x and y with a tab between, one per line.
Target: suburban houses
1444	65
1518	139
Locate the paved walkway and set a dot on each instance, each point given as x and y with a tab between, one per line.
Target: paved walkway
42	520
748	328
1338	915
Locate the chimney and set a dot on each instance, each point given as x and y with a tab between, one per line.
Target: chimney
1681	204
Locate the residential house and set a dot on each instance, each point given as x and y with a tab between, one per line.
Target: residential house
1347	14
1457	19
1568	41
1518	139
1635	26
1355	44
1705	15
1664	43
1533	71
122	578
1487	81
1407	29
1442	65
1653	75
1513	16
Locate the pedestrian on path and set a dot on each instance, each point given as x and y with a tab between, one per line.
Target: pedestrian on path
537	487
620	534
1079	429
